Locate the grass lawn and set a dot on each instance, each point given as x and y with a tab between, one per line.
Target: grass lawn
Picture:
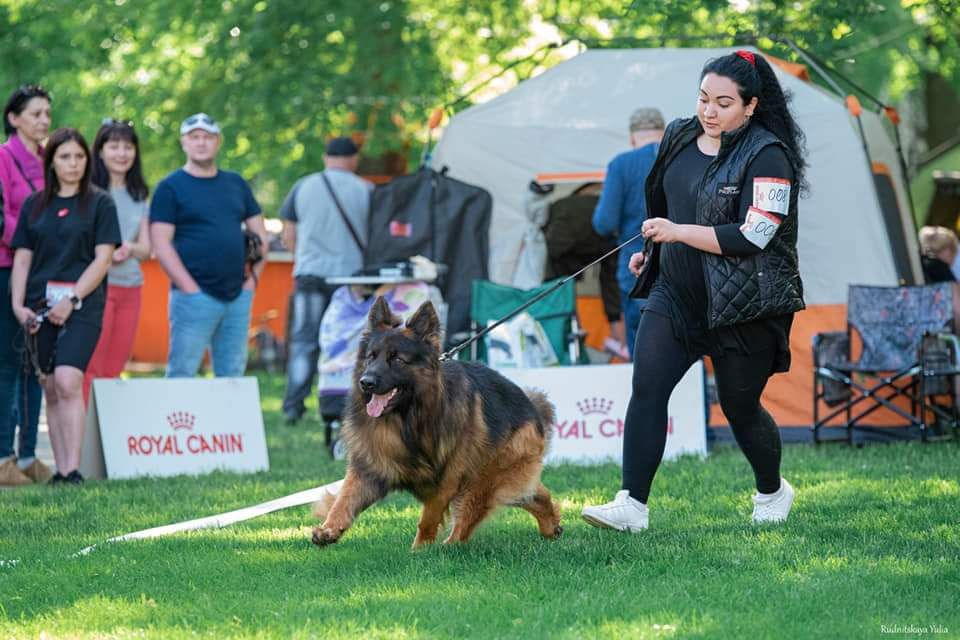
872	543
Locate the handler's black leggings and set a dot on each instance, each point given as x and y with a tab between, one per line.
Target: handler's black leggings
660	360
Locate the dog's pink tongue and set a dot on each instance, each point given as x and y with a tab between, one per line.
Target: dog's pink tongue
377	404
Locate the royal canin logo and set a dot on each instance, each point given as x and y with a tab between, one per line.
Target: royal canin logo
595	405
603	423
181	420
179	444
584	427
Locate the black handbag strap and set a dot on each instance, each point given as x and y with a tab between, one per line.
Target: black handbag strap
20	169
343	214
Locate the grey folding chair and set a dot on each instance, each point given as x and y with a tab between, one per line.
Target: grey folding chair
909	352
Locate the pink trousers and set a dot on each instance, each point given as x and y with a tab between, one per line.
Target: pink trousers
120	317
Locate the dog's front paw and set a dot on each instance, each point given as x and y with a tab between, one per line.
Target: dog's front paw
322	536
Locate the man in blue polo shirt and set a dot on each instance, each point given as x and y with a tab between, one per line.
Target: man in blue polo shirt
196	225
623	208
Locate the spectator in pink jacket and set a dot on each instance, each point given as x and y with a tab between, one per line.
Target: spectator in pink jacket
26	121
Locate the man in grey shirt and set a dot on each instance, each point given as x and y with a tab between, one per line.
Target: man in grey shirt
325	219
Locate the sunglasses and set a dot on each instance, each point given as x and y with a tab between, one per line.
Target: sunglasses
109	122
192	120
32	89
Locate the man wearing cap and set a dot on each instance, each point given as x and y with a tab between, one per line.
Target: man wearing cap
196	226
325	218
622	207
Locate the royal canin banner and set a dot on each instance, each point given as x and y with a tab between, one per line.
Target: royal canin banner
591	403
165	427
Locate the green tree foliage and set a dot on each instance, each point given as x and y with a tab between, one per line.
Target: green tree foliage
283	75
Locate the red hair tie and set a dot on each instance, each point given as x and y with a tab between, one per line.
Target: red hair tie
748	56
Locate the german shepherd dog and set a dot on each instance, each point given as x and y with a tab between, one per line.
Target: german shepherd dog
458	436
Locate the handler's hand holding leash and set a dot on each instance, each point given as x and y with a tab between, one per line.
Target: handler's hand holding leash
653	230
27	319
60	312
661	230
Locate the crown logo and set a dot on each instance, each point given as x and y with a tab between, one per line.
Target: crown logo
181	420
594	405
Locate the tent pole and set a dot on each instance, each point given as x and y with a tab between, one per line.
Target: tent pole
462	97
882	105
833	85
906	176
810	60
807	58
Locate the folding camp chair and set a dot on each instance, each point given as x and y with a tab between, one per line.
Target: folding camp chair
909	352
556	313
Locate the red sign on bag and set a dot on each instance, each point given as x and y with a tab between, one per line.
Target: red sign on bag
401	229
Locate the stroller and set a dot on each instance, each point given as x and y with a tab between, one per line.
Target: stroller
342	326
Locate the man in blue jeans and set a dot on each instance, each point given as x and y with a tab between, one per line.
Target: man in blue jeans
20	397
196	219
622	207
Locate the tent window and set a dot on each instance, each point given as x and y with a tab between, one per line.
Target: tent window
892	218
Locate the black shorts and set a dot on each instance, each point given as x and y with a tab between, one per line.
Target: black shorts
71	345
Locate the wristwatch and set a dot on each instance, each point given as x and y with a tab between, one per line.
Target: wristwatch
75	301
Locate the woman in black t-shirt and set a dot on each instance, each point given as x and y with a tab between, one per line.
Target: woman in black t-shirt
64	244
725	186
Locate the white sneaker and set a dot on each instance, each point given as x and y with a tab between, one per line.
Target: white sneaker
623	514
773	507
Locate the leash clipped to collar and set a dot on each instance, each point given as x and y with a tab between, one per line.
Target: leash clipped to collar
449	353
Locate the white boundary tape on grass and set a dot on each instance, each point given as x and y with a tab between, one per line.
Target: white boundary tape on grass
231	517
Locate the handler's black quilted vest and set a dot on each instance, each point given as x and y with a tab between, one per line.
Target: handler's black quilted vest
738	289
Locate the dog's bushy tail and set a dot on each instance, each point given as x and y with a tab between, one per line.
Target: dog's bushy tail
545	411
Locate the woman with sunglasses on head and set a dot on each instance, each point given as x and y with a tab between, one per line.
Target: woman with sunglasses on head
64	246
722	217
116	167
26	121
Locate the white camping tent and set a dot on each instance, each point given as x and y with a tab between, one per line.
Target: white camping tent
573	118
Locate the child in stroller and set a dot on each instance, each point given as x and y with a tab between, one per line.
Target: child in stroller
342	326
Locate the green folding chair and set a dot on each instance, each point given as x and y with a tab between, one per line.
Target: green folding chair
556	313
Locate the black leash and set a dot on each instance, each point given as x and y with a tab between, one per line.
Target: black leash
29	363
446	355
30	356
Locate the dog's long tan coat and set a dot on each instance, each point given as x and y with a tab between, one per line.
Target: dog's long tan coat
437	443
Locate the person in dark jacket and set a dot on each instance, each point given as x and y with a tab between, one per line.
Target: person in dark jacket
722	223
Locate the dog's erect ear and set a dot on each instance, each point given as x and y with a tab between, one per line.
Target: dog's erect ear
380	316
425	325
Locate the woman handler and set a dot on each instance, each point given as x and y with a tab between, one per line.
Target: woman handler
722	200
